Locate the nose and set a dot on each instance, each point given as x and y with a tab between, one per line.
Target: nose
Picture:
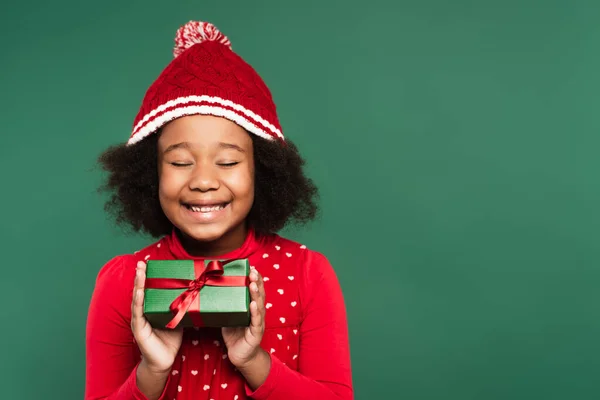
204	178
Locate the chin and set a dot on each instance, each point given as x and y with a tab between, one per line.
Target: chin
205	233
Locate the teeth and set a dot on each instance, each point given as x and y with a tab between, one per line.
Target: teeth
207	208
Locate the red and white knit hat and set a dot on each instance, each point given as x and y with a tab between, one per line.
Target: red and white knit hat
207	77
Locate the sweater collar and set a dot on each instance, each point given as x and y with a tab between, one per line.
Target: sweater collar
250	245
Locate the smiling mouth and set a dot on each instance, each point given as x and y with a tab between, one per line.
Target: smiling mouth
206	209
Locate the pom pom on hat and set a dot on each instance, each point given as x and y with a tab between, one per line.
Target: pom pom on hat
195	32
207	77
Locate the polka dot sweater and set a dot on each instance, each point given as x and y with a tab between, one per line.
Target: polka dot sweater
306	331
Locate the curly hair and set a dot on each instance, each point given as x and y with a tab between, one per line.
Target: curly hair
283	193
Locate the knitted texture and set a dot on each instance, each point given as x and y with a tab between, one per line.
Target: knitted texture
207	77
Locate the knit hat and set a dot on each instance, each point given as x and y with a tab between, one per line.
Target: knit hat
207	77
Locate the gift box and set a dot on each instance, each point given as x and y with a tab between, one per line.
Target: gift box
200	293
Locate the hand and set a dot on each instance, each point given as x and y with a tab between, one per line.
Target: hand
243	343
159	347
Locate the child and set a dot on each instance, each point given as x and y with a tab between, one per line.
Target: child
208	173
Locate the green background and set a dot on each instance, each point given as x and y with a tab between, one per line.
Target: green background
455	144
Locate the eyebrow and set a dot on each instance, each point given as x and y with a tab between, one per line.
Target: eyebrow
182	145
187	146
231	146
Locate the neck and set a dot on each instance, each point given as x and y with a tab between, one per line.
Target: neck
230	241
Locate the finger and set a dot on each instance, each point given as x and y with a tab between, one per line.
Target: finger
257	304
256	321
259	296
137	309
254	291
141	266
256	297
260	299
259	280
254	277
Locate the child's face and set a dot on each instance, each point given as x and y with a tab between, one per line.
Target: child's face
206	179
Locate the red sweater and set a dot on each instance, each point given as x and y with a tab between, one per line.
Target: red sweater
306	331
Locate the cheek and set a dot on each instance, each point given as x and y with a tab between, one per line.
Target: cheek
169	184
243	185
249	185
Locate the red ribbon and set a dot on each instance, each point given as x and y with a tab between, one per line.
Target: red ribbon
211	275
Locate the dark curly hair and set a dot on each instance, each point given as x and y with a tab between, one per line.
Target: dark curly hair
283	193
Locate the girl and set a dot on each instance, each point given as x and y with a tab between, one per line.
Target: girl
207	172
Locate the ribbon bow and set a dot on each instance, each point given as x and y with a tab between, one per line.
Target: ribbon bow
211	275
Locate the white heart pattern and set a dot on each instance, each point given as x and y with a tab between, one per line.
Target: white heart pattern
206	356
175	372
224	356
179	388
295	331
268	305
224	385
294	304
288	254
214	371
280	291
206	387
295	356
147	257
194	372
282	320
182	358
276	266
291	278
272	350
279	336
265	255
236	397
158	245
303	247
217	343
277	247
265	279
195	342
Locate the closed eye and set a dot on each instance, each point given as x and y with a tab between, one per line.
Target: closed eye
231	164
176	164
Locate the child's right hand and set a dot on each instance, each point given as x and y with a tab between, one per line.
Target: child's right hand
159	347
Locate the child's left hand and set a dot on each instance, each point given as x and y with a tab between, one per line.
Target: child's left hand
243	343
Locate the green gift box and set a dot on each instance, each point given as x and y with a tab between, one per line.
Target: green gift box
186	293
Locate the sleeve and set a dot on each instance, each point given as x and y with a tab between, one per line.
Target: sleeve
112	356
324	371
